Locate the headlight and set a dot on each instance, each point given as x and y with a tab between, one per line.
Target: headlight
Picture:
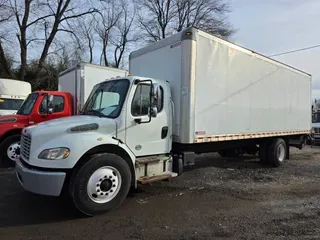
312	130
54	153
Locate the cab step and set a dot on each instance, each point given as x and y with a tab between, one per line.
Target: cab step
151	159
155	178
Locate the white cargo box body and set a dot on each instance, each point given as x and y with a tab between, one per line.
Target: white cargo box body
80	79
14	88
12	94
222	91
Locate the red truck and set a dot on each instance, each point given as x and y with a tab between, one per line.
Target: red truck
75	85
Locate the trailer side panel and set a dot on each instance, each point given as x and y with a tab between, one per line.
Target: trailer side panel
239	94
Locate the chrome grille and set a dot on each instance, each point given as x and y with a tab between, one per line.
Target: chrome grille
25	145
316	130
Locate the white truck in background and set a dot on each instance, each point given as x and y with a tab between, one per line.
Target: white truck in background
12	94
314	138
191	93
80	79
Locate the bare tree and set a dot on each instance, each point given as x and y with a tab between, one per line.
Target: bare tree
155	17
122	34
208	15
83	38
49	16
5	17
6	14
162	18
87	33
106	21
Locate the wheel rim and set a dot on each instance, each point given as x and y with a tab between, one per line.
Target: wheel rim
281	152
104	184
11	151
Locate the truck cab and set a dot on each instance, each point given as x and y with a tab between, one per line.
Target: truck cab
39	106
126	123
315	135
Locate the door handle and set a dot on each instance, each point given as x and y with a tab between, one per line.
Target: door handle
164	132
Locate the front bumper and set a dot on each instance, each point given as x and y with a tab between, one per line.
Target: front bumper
39	181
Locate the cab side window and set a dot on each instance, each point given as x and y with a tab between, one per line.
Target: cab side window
57	103
141	101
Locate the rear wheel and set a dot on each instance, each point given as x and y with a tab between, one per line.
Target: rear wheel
10	149
101	184
277	152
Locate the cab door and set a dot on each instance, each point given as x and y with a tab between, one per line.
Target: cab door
58	108
147	138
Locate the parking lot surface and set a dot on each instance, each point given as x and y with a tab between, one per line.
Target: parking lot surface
214	199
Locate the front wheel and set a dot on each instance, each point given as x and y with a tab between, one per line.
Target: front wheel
101	184
10	149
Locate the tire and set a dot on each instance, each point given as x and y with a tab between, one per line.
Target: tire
277	152
177	165
108	175
309	141
8	148
263	152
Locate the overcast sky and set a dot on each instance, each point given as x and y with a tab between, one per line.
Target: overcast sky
275	26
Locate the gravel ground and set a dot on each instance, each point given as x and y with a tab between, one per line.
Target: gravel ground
214	199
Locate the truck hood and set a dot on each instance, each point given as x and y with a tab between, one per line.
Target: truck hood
60	126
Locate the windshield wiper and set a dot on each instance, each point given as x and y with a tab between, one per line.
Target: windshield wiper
93	112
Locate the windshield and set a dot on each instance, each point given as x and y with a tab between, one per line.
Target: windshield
106	99
28	104
10	104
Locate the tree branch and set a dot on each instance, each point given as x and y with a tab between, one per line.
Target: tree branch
38	19
78	15
35	39
72	33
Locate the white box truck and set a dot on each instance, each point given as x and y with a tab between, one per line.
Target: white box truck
194	93
12	94
80	79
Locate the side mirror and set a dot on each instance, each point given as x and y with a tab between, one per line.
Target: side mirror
154	111
50	109
50	98
155	91
155	96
